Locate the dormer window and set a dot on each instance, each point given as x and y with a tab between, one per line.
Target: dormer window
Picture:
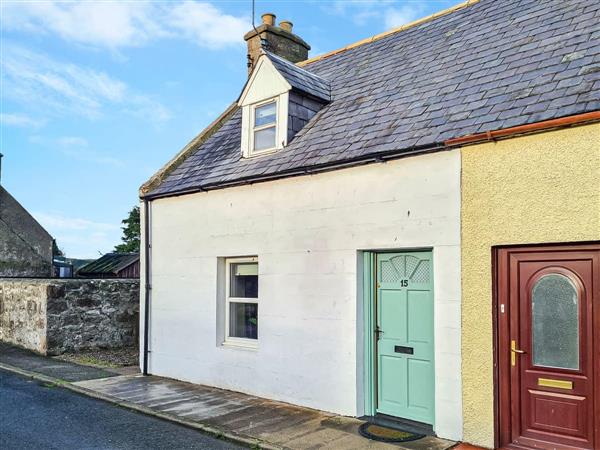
265	127
279	99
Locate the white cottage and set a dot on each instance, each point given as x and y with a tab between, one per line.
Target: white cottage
295	227
305	247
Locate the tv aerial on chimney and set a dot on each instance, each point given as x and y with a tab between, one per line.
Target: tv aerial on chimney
264	44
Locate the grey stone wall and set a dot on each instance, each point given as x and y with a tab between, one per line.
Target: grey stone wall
23	313
25	246
52	316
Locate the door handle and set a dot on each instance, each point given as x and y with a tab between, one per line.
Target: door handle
378	332
514	351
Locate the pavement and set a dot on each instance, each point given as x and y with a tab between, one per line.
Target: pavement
247	420
281	425
51	367
36	415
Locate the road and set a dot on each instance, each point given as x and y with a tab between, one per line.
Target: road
35	415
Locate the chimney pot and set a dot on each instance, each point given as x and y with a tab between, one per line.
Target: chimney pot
286	25
269	19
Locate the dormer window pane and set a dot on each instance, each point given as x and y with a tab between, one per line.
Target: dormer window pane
265	114
265	127
264	139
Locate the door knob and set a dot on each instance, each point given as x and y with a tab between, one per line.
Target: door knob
514	351
378	332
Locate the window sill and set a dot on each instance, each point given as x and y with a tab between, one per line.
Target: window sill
260	153
240	345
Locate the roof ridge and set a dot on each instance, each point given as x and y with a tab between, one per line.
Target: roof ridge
295	66
384	34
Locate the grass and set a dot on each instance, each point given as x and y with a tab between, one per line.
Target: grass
57	383
91	361
102	358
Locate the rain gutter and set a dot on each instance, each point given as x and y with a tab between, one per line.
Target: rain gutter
305	170
546	125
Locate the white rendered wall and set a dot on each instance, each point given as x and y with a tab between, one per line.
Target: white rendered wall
307	233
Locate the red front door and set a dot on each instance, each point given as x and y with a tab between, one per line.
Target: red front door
548	301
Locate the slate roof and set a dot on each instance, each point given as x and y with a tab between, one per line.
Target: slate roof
301	79
109	264
491	65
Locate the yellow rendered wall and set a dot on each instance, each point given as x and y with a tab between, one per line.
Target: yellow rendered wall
541	188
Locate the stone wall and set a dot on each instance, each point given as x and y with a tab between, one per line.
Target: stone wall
52	316
23	313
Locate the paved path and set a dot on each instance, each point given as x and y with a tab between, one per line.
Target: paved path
278	423
38	416
63	370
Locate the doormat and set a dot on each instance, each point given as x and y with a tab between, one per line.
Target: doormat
384	434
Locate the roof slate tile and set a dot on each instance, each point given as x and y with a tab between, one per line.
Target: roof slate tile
488	66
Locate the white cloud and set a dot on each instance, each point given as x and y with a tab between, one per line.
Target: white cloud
68	141
391	13
394	17
75	147
117	24
346	6
79	237
360	12
92	157
21	120
61	223
205	25
37	81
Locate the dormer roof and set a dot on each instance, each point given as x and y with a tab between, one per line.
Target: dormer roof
288	77
301	79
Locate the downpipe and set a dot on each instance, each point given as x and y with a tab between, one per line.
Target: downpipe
148	286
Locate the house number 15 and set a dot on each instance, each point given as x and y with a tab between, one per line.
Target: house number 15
403	283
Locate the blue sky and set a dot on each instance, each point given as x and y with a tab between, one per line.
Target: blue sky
97	96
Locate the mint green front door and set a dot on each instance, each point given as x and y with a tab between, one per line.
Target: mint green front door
404	335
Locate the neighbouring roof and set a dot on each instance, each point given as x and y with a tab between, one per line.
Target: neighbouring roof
75	262
301	79
111	263
488	66
18	219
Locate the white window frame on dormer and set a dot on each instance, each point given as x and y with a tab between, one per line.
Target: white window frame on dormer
254	128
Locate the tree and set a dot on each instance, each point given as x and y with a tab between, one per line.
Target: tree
56	251
131	232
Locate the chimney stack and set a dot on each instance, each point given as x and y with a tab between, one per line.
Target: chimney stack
279	40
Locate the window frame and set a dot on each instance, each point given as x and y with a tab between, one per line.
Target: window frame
254	129
232	340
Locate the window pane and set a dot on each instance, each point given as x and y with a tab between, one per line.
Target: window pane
264	139
244	280
265	114
555	311
243	320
